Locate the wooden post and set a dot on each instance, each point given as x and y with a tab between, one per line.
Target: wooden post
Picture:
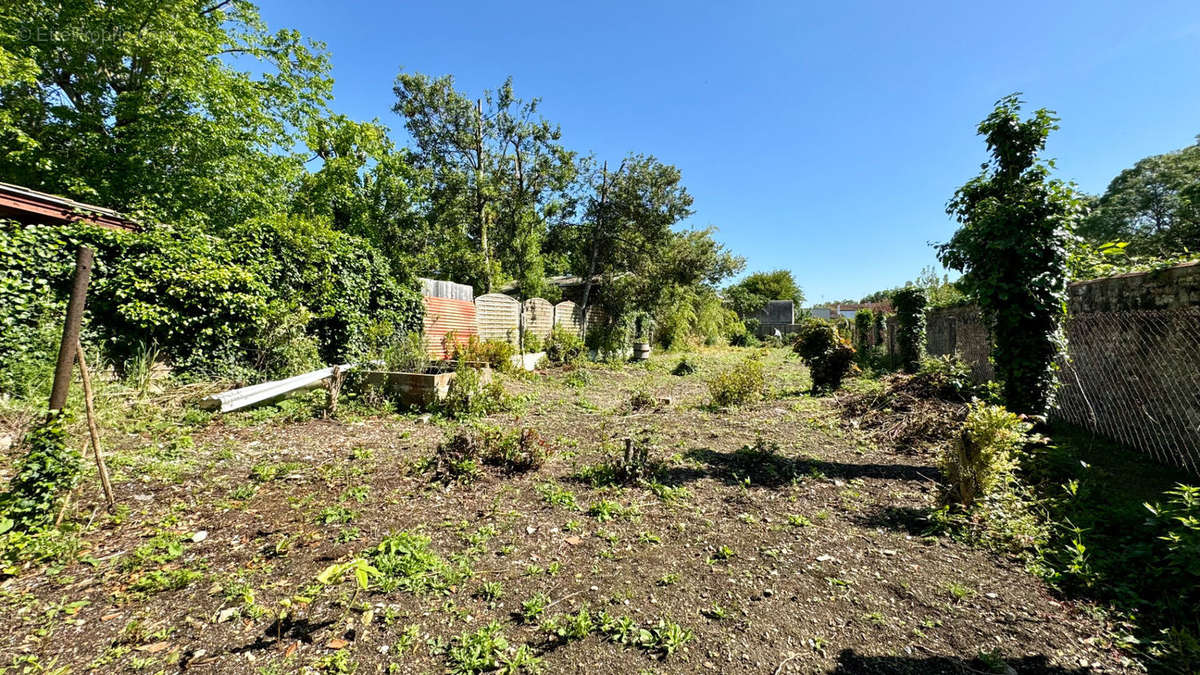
70	336
92	430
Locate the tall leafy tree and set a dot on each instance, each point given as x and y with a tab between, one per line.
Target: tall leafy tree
1154	205
364	186
1012	250
751	294
627	218
496	166
140	104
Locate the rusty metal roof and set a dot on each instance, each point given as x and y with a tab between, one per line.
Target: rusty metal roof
31	206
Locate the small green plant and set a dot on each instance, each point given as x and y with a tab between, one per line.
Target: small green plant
982	458
405	562
496	353
959	591
642	399
667	637
490	591
468	396
533	608
604	510
267	472
564	347
571	626
558	496
482	651
686	366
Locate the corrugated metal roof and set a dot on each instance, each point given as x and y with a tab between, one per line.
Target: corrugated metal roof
436	288
31	206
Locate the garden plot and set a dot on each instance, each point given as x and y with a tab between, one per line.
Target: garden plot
765	537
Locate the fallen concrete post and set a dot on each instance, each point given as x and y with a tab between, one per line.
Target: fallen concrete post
267	392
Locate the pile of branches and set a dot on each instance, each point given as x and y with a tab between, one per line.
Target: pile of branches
912	413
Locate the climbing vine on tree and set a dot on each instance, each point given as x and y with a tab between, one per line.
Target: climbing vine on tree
910	303
44	476
862	329
1012	250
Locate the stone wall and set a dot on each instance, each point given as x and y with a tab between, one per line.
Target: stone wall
1132	369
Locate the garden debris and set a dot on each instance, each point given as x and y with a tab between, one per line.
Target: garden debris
912	413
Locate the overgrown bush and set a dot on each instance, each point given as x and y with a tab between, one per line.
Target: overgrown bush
982	459
564	347
496	353
468	396
746	382
46	473
827	354
208	304
400	352
945	377
532	343
910	304
460	458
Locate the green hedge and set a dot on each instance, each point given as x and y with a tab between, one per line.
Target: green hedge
207	303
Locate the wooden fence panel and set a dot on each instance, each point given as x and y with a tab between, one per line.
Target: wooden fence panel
498	317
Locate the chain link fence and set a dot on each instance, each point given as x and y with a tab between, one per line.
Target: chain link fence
1134	377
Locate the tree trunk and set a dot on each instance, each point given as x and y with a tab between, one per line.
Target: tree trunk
480	216
591	273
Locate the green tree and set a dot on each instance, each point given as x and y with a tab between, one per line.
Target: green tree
140	105
1012	250
1154	205
751	294
627	220
496	167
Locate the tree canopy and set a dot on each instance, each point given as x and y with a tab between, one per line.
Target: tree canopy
1153	205
751	294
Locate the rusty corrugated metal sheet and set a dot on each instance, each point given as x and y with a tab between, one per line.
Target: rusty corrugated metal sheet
498	317
444	316
567	315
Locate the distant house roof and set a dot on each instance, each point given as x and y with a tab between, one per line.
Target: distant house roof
563	281
30	206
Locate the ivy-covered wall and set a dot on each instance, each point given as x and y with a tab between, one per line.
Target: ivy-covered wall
1133	367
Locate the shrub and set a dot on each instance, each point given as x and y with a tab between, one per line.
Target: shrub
945	377
686	366
210	304
563	346
469	397
981	460
399	352
515	451
910	330
532	342
1178	523
744	383
827	354
496	353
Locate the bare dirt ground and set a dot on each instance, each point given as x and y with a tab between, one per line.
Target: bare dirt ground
770	540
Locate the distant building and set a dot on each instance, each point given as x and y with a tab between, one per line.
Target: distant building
819	312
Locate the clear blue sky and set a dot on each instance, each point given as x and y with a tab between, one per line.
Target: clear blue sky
823	138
